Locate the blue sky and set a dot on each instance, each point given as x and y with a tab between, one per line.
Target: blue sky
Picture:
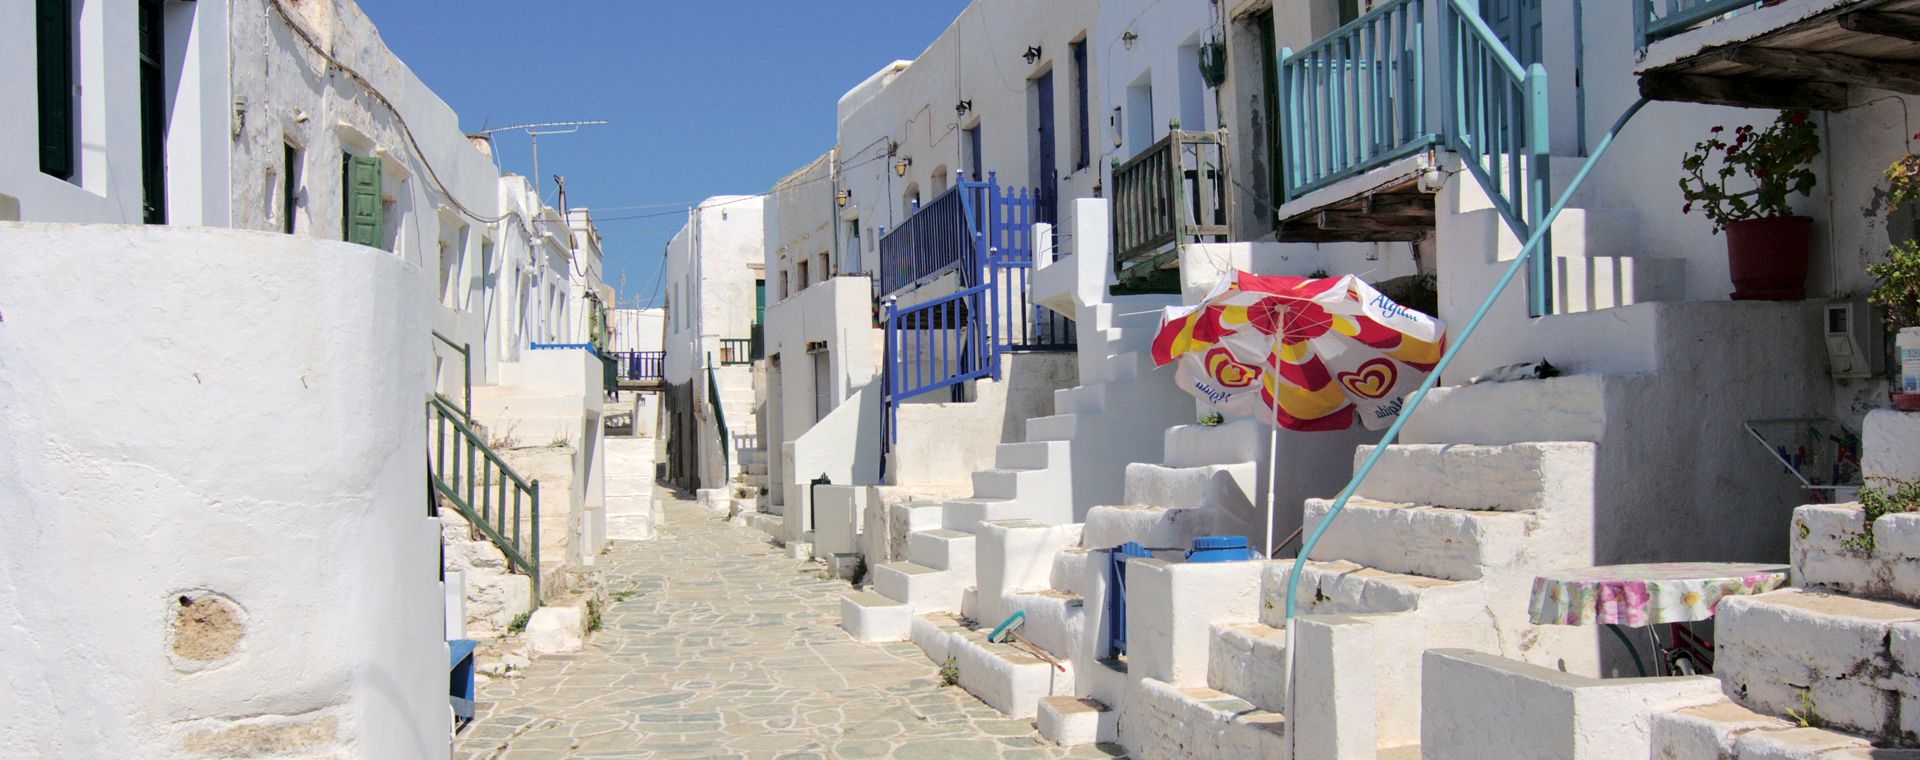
706	97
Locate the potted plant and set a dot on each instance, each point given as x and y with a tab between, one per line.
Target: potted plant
1896	285
1742	185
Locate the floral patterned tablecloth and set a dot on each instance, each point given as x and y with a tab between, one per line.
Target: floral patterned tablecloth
1637	595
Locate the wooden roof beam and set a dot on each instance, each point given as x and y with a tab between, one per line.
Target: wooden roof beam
1900	26
1830	67
1748	92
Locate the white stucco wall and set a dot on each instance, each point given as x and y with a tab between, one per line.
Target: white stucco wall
269	458
709	280
638	329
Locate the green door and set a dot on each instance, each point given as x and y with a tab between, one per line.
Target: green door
759	301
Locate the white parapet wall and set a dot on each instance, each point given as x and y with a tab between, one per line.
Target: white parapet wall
214	477
1480	705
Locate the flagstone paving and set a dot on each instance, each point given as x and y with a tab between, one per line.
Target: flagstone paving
717	645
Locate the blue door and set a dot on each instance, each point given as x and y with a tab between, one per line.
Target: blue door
1046	170
1518	24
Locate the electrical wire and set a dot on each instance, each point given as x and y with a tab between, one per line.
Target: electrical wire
407	131
742	199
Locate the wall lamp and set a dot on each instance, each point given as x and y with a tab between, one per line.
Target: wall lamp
840	198
963	107
900	166
1032	54
1127	38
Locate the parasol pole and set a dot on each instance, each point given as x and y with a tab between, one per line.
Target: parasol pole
1273	453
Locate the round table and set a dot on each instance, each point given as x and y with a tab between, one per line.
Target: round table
1649	594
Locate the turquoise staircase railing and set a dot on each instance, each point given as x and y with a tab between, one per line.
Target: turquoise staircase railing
1496	121
493	498
719	419
1355	99
1660	19
1531	249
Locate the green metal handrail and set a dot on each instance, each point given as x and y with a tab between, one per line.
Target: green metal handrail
466	375
1650	24
736	351
719	419
1497	121
1158	201
481	493
1453	349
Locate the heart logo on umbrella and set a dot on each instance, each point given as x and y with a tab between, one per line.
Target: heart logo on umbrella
1372	380
1228	371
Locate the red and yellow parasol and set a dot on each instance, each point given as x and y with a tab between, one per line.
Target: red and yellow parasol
1307	354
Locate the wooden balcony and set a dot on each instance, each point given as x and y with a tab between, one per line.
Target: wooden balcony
1796	54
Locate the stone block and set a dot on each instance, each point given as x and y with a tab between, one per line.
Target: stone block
870	617
555	629
1793	744
1819	550
1890	445
1795	650
1706	732
1437	542
1074	721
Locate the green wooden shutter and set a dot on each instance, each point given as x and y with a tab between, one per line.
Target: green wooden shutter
759	301
53	21
361	178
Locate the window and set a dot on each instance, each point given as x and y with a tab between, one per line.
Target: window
53	33
784	289
363	207
800	275
1082	145
289	186
759	302
826	266
153	114
1140	127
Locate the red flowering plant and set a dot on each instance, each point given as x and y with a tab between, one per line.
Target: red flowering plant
1777	161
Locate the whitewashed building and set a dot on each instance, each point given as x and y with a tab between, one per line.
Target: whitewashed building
298	249
714	288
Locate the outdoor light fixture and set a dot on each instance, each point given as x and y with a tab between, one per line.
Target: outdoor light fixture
1127	37
1032	54
840	198
963	107
900	167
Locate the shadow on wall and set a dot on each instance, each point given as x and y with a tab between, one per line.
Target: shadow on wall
1031	379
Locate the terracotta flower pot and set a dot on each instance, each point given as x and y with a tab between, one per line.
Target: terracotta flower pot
1907	402
1768	258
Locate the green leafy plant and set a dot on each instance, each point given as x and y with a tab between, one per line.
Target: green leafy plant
1213	420
1895	497
1896	288
1805	716
593	614
1776	161
950	673
518	625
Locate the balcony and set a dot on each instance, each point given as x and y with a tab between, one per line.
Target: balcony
945	235
1794	54
1173	192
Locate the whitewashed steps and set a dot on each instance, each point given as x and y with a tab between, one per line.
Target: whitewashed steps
1151	527
1249	661
1001	675
870	617
1058	427
942	549
1849	658
1339	587
1438	542
927	589
1201	722
1075	721
1727	731
1519	477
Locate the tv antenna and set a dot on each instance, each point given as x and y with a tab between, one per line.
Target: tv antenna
535	130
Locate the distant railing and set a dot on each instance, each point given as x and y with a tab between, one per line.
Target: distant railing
1356	98
719	420
1160	199
481	493
644	366
939	236
1496	120
736	351
466	375
1660	19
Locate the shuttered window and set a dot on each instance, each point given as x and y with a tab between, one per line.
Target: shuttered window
53	28
360	177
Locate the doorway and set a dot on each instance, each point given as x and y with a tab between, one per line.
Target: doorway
1046	170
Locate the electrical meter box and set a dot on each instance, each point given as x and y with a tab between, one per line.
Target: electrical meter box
1854	339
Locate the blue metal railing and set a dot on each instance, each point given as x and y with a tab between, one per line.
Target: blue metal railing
1355	99
946	233
1660	19
933	345
1496	120
1531	249
640	365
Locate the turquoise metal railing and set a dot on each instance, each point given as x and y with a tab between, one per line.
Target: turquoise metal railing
1532	248
1659	19
466	375
1355	99
481	491
1496	121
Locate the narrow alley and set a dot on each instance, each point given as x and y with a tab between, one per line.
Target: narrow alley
717	645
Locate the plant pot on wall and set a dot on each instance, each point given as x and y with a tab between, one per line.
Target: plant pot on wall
1767	258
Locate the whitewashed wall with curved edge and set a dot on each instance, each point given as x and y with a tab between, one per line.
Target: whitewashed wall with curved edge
213	477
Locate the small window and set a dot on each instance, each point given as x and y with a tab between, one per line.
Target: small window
54	66
784	288
1082	145
290	170
826	266
153	113
973	166
800	274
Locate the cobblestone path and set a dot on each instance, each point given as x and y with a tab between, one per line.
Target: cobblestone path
716	645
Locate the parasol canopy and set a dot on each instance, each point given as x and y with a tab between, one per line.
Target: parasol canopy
1305	354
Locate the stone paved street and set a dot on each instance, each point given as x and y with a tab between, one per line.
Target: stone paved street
716	645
